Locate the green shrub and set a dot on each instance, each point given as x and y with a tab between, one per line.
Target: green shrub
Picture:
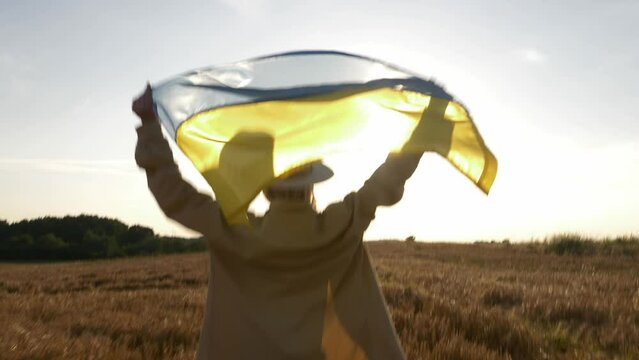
570	244
574	244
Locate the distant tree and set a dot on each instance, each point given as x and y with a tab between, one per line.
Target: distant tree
113	248
20	247
135	235
4	228
49	246
4	236
138	240
51	242
173	245
194	245
84	237
94	244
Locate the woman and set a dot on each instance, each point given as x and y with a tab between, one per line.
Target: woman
293	284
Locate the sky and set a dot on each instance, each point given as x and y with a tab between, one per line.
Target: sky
552	87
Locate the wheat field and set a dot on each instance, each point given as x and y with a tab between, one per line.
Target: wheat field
469	301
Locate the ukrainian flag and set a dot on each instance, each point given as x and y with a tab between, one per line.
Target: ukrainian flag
247	123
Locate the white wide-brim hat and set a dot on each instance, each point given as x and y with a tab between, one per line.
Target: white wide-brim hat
306	175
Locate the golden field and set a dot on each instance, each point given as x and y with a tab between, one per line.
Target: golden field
467	301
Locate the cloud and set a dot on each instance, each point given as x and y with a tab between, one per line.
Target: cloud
532	55
15	72
111	167
245	7
6	59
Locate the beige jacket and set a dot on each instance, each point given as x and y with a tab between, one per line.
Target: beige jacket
294	284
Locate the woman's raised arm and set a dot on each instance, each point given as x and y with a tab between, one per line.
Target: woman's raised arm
386	186
176	197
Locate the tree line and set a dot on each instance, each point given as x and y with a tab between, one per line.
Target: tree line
85	237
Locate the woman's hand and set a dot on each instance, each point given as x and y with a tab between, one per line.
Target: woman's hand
143	105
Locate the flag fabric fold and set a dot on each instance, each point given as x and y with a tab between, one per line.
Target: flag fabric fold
247	123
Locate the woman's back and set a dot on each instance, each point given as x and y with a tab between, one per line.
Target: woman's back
304	290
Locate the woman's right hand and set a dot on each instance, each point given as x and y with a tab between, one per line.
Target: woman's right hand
143	105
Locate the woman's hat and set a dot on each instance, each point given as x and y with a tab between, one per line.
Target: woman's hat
308	174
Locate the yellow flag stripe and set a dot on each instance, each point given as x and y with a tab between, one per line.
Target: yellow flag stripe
240	149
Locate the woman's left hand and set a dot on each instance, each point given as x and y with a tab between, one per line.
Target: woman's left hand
143	105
